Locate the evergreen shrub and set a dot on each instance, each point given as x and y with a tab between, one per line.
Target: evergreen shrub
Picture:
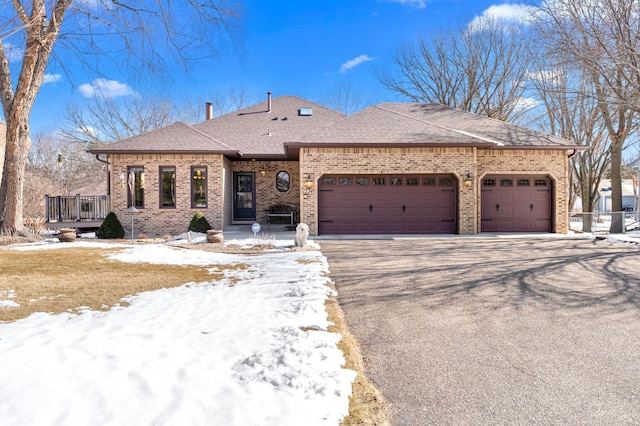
199	223
111	228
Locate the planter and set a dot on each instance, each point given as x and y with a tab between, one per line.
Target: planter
66	235
215	236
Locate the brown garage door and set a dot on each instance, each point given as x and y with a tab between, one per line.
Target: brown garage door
387	204
516	204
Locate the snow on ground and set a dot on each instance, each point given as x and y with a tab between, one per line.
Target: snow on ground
203	353
5	299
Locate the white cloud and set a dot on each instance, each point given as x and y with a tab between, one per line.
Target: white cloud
507	13
420	4
355	62
105	88
525	103
51	78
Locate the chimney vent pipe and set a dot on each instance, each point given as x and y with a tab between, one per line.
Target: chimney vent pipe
209	111
268	101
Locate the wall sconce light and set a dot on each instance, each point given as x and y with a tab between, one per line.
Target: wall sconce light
468	180
308	183
262	172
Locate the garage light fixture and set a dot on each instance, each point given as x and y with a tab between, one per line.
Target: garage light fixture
468	180
308	183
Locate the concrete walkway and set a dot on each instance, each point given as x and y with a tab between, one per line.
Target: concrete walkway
479	331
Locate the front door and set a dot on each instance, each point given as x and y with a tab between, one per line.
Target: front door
244	205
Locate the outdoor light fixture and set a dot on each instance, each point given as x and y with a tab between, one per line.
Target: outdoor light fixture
133	211
468	180
308	184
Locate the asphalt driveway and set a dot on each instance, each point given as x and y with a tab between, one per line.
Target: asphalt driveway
478	331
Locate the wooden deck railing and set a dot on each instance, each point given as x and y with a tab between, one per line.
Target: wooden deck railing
77	208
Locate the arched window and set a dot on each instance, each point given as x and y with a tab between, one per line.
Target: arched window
283	181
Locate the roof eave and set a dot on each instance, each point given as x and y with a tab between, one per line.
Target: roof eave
164	151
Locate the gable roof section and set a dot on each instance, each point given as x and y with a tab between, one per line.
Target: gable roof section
176	138
259	132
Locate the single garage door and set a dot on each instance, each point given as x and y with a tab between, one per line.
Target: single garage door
516	204
387	204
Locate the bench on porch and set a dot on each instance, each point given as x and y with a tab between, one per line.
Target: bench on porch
286	211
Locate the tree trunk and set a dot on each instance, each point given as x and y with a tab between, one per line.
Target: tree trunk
18	146
587	208
617	218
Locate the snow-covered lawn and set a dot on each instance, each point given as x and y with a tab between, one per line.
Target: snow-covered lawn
252	349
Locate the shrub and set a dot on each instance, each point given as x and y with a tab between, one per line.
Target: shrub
111	228
199	223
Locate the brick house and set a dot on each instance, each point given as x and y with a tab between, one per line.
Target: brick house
390	168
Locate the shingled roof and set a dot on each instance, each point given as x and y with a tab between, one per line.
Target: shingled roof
260	132
275	128
428	124
176	138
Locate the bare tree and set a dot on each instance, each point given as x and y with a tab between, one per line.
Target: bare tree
345	96
105	119
571	111
57	166
603	36
479	69
153	33
192	110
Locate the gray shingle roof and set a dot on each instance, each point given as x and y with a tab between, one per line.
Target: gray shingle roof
178	137
496	131
414	123
258	132
255	132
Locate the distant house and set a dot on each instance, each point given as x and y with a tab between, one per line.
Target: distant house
603	203
390	168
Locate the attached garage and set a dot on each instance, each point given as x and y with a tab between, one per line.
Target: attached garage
516	203
387	204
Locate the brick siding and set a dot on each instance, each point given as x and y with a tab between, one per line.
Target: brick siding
154	221
456	161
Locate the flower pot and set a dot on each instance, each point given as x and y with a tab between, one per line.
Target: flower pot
66	235
215	236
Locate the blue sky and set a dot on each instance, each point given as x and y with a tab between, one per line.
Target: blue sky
301	48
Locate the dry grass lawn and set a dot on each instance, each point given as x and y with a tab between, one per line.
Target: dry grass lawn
62	280
65	279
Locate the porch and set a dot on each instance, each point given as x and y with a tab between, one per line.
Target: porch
76	211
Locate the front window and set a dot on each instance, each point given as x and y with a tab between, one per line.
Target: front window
167	187
135	185
199	187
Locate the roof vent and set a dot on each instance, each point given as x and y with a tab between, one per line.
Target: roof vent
305	112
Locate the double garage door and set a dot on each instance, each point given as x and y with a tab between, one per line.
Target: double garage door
387	204
427	204
512	203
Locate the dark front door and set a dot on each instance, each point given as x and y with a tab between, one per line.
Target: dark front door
244	189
